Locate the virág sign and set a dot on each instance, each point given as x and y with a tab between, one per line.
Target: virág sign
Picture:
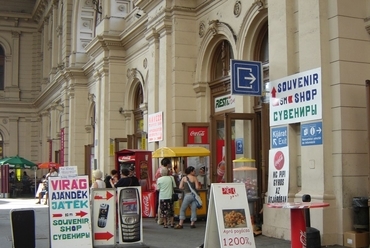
70	224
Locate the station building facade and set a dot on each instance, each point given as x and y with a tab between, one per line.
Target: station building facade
79	78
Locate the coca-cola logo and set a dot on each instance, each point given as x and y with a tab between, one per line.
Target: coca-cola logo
279	160
146	205
197	133
302	238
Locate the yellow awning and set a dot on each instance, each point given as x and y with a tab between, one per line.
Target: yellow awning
167	152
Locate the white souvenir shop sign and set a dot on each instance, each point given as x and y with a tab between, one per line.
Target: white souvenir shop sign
69	212
228	218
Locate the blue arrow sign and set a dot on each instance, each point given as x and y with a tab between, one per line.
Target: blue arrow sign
239	146
279	137
311	134
246	77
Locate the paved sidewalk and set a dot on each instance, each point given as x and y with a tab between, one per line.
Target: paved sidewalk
155	236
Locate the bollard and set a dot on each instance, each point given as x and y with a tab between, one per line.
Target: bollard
313	239
22	223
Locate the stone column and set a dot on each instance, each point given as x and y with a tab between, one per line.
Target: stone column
14	130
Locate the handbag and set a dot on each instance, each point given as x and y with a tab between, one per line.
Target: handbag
175	196
197	198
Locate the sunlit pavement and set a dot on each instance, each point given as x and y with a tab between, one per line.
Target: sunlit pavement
155	236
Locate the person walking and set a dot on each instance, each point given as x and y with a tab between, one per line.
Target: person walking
166	185
188	197
52	173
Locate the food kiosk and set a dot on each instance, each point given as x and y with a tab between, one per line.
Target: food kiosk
141	162
178	156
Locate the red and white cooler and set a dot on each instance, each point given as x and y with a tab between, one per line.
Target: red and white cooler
148	204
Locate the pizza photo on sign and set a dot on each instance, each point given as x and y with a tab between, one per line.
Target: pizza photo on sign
234	218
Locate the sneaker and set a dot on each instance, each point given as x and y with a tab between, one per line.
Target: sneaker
38	202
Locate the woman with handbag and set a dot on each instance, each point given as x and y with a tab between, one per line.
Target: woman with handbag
190	180
166	185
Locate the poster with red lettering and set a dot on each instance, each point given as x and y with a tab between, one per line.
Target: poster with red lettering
69	214
278	181
228	218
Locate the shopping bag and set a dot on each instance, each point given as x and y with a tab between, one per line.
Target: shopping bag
198	200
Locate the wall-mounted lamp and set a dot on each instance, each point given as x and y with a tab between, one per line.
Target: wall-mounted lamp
120	110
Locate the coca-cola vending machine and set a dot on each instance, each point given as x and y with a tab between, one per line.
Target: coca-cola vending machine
141	162
198	136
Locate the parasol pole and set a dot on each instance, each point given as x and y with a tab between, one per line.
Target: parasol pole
35	169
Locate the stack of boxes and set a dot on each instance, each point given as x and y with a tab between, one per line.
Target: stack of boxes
360	236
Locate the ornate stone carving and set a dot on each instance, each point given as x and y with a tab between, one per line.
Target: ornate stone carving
121	7
59	30
91	97
145	63
367	24
202	29
5	121
213	26
16	35
237	8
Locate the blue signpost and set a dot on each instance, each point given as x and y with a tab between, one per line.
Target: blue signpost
246	77
239	146
311	134
279	137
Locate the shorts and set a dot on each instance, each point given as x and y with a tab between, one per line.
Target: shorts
166	208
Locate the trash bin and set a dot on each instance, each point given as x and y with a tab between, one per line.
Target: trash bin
360	213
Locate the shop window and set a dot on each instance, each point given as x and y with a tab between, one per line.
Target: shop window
2	67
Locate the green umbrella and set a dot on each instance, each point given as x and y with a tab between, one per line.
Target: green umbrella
17	162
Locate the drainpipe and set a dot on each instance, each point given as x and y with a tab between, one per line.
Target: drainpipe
367	82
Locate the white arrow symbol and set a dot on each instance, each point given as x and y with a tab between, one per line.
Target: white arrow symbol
319	130
251	77
274	141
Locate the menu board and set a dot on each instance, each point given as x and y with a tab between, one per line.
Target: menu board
228	217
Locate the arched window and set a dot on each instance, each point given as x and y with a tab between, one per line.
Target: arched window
138	116
2	67
221	63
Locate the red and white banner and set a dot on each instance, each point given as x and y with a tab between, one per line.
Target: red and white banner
155	127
